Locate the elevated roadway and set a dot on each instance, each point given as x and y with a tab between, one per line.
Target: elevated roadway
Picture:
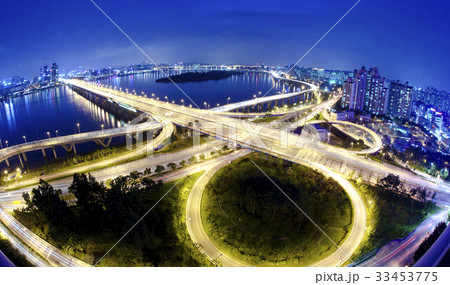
102	137
377	143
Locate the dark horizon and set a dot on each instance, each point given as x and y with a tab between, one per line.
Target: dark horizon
405	40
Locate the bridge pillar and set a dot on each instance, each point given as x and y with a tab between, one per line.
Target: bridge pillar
7	162
24	157
268	106
43	152
282	103
20	159
276	103
74	149
54	152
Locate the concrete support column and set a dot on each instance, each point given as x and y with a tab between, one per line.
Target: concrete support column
74	149
44	153
24	157
54	152
20	159
7	162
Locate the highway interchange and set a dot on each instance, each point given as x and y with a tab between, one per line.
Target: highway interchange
329	160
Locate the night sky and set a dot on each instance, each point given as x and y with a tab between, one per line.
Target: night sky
406	40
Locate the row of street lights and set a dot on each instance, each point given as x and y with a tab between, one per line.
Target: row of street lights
48	134
207	105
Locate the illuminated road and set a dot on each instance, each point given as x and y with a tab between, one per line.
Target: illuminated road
337	258
266	99
194	218
377	140
51	253
13	199
145	148
76	139
279	143
259	137
400	253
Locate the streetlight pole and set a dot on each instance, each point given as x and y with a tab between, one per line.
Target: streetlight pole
228	99
1	144
167	99
6	142
102	127
48	134
25	139
182	101
78	125
57	133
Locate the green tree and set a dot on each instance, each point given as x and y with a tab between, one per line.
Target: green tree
147	171
202	156
90	194
192	159
159	168
172	165
46	200
392	183
183	163
135	175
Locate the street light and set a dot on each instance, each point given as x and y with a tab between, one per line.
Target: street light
102	127
25	139
182	101
6	142
48	134
167	99
228	99
206	106
56	132
352	145
78	125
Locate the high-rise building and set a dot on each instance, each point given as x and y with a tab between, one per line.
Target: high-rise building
45	75
438	122
366	91
354	90
54	73
375	96
399	100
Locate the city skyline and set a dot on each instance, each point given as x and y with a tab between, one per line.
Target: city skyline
388	35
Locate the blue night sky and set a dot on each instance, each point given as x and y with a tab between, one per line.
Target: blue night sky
406	40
